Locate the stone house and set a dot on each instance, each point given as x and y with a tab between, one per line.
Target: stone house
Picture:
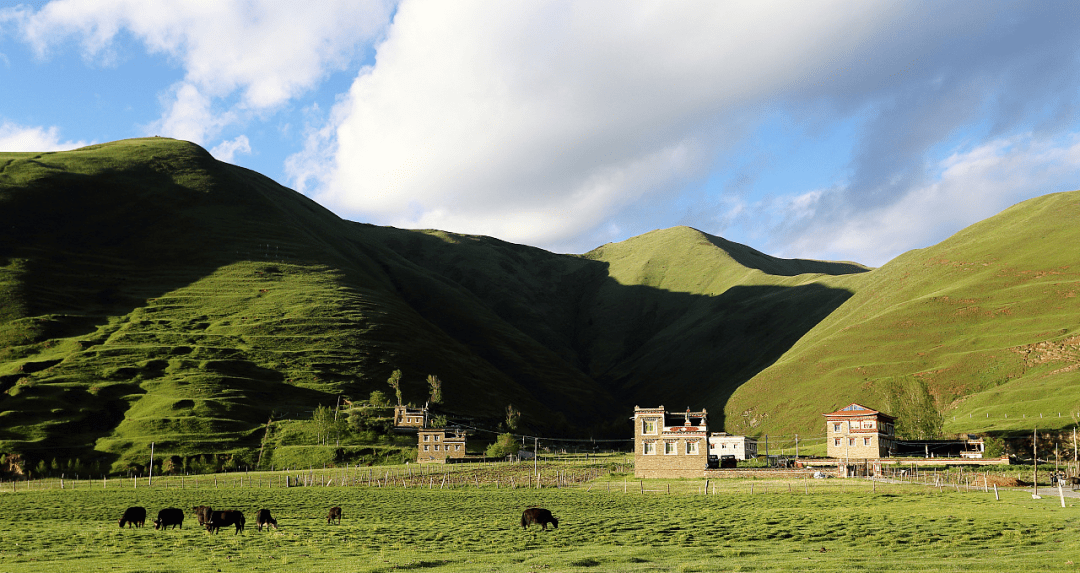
858	432
670	445
406	417
438	444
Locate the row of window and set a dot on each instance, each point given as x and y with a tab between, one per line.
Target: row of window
457	447
671	448
851	441
426	436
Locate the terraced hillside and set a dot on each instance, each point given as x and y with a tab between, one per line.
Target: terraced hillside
987	321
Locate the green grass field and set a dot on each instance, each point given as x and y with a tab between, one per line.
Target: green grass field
793	525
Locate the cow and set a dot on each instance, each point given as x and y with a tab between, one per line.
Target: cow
202	512
262	517
219	519
133	516
334	515
539	516
169	516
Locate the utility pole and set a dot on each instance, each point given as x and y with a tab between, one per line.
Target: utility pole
150	480
796	447
536	453
1035	458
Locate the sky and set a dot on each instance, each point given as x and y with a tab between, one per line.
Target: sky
837	130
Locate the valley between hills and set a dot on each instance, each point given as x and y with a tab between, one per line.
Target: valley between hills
150	293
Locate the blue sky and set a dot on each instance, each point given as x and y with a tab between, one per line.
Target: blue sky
829	130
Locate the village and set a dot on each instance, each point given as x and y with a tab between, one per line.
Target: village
860	441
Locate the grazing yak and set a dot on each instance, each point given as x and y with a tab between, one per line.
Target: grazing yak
169	516
539	516
202	513
133	516
262	517
334	515
219	519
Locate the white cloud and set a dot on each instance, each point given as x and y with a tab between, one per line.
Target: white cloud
536	121
225	150
21	138
269	51
972	186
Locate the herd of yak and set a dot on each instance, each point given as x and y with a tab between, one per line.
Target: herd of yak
209	518
214	520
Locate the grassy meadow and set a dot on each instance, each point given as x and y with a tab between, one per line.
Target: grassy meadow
606	524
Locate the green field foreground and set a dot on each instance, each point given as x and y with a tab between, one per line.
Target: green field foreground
784	525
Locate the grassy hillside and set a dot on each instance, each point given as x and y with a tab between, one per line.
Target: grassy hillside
988	321
151	293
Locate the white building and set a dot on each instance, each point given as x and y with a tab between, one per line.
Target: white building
742	447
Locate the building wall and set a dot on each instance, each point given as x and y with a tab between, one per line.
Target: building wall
435	445
668	451
742	447
410	417
858	437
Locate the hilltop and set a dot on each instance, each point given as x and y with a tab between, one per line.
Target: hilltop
151	293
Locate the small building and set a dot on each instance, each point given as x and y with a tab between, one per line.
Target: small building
406	417
670	445
858	432
435	445
739	447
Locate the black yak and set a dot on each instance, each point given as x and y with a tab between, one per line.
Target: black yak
540	516
133	516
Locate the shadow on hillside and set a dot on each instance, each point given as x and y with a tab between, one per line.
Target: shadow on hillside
754	259
697	358
622	345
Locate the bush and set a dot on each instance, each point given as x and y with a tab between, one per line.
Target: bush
504	445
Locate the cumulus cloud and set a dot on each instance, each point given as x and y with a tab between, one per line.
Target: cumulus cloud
536	121
227	149
22	138
550	122
970	186
267	52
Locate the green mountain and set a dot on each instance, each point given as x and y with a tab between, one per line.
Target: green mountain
987	323
151	293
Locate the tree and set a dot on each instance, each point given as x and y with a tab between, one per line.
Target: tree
395	382
512	417
504	445
378	399
916	412
438	421
436	388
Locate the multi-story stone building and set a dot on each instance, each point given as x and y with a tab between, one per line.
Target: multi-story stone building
670	445
406	417
857	432
438	444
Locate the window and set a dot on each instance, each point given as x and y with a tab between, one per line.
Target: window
649	448
851	441
868	425
457	448
670	449
648	426
866	441
723	446
426	436
425	447
836	428
437	437
836	441
691	447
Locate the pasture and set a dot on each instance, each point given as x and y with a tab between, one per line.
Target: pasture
823	525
